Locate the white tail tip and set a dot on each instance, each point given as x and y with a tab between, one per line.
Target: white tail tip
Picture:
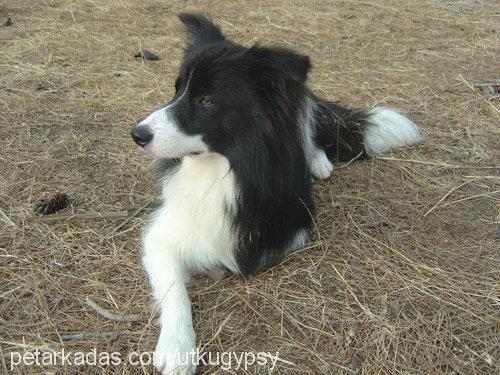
387	130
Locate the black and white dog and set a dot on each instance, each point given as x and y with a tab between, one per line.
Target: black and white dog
236	148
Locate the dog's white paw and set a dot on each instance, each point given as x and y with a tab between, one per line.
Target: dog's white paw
321	167
175	353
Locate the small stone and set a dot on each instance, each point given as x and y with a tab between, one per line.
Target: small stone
146	54
7	21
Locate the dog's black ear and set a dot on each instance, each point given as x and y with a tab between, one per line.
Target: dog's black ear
201	29
278	63
294	65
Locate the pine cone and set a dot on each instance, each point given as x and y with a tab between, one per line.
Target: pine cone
57	202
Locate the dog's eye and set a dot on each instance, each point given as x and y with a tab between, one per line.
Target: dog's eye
206	101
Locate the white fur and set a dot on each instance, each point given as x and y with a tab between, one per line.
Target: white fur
190	232
168	140
300	240
321	167
306	123
388	130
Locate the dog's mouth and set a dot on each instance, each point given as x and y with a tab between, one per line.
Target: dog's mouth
197	154
152	151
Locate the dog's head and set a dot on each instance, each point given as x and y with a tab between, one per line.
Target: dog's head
225	95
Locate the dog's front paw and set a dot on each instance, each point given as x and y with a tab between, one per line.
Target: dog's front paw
321	167
176	354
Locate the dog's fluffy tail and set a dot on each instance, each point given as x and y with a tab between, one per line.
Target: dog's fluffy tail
345	134
386	129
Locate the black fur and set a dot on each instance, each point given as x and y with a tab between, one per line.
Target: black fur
339	131
259	96
202	30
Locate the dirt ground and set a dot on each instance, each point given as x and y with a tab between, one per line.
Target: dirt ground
402	273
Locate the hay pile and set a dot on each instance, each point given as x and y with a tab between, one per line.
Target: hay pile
402	275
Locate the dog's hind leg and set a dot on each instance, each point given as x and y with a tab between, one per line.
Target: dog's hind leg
321	167
343	134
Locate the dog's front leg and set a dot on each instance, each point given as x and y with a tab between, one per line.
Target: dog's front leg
176	348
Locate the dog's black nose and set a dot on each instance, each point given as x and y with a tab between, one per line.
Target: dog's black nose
141	135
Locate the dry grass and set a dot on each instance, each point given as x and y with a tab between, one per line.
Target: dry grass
419	295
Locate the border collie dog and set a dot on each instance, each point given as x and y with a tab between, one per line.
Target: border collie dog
235	150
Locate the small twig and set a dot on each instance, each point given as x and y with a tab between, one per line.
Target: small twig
96	216
486	177
219	330
90	335
365	309
471	87
108	314
285	28
478	83
229	23
375	224
350	161
444	197
130	217
472	197
8	257
5	294
6	219
444	165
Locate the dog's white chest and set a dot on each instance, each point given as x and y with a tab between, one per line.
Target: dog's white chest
195	211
